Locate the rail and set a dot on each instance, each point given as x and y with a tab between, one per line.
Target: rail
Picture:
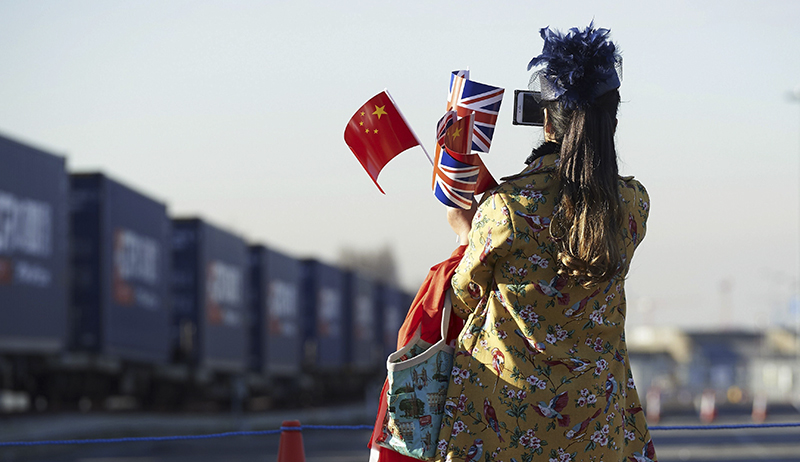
334	427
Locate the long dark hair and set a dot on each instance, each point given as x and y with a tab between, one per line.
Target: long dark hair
587	215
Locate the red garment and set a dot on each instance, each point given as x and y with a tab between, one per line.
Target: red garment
425	313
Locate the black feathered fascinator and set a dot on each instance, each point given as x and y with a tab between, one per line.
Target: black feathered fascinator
577	67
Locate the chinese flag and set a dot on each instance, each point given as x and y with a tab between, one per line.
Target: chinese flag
458	136
377	133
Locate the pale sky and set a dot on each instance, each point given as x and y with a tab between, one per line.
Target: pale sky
235	111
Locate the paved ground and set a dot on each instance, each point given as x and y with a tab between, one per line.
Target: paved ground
728	445
777	444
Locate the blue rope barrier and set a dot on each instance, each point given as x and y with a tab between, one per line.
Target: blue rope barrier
144	438
722	427
335	427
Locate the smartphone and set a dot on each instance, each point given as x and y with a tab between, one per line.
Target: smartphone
527	110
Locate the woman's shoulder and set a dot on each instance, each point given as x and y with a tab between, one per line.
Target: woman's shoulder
635	199
539	175
632	183
545	165
524	191
630	186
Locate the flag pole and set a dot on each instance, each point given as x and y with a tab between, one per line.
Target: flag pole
409	126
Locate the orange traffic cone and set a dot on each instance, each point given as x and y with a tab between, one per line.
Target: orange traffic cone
708	406
290	448
759	414
653	401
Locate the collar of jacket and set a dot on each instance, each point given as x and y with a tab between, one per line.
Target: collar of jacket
544	164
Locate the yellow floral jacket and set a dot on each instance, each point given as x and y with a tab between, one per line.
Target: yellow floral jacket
541	371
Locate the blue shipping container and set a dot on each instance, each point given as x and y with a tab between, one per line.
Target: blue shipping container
365	336
33	249
209	291
324	317
120	260
394	307
277	345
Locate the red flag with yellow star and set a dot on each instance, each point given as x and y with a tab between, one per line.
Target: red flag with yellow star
378	132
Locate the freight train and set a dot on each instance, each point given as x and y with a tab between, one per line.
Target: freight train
108	302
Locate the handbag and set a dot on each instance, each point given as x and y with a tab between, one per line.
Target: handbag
418	375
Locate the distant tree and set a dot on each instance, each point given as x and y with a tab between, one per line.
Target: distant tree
379	264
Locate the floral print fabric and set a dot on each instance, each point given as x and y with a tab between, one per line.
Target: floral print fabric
541	369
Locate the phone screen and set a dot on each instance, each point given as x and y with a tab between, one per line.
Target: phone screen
527	110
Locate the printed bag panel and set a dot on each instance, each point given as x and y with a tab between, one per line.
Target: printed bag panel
417	392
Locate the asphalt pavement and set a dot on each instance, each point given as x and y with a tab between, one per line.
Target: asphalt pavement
768	444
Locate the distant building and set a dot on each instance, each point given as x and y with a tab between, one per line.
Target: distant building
723	359
659	359
776	374
736	364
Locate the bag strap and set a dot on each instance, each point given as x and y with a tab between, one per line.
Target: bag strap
446	309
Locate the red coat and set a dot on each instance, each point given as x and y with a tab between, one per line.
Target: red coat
425	313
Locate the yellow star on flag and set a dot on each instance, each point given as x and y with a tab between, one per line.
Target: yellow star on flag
379	111
456	132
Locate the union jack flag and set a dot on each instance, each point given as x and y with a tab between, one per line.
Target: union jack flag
447	120
457	174
455	180
467	96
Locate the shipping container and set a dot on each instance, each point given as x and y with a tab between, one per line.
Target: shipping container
365	336
408	299
209	292
121	260
394	306
277	346
33	249
324	318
